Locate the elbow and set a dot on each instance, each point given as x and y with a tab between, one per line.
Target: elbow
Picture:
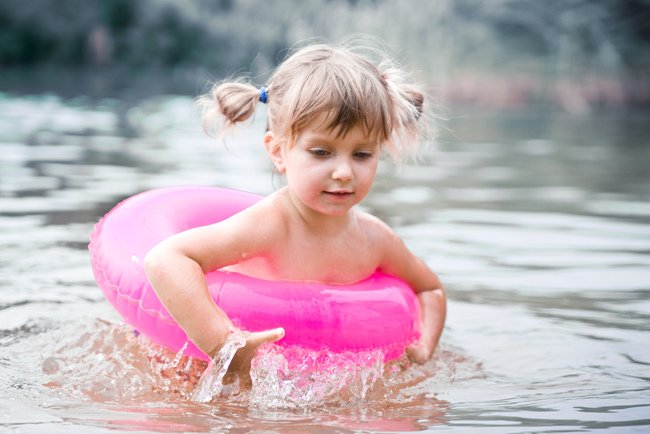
434	293
155	265
434	297
440	295
160	270
164	265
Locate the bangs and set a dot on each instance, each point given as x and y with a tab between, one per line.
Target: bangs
338	90
342	98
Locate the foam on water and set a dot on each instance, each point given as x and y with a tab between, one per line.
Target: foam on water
102	361
211	382
299	377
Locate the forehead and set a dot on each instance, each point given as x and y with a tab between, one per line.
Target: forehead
320	130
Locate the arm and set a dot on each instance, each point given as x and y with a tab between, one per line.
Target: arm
433	304
180	284
400	262
176	268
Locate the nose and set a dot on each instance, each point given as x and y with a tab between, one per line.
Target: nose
342	170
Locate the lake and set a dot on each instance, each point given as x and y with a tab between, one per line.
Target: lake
538	223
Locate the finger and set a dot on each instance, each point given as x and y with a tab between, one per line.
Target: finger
412	352
416	354
272	335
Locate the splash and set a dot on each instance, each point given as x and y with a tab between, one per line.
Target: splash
293	377
178	357
299	377
105	362
211	382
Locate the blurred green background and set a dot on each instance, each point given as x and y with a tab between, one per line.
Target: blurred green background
578	55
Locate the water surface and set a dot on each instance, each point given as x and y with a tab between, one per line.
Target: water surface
538	223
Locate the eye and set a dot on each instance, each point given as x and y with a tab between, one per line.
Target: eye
319	152
362	155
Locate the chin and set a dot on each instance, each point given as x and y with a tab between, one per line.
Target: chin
336	212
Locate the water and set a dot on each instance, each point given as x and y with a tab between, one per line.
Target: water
211	383
538	223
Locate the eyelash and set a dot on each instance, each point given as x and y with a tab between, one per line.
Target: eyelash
362	155
319	152
324	153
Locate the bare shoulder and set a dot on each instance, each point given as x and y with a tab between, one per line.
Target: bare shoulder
396	259
263	223
376	230
250	232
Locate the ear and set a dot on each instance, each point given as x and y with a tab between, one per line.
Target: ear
275	151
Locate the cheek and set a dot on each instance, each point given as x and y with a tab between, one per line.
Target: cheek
308	168
368	172
302	175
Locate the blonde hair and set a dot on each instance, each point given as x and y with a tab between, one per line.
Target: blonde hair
344	86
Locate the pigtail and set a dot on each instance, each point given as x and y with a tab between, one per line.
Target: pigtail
416	98
407	110
229	103
343	87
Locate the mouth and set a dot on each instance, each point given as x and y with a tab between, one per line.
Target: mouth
341	194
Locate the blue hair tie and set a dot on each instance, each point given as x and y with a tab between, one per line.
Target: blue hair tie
264	95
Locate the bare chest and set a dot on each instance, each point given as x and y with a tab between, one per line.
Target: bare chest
341	259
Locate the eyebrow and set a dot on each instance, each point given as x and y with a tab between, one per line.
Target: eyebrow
315	135
318	135
323	141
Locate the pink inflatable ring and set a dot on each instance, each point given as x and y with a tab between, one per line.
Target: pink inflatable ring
380	312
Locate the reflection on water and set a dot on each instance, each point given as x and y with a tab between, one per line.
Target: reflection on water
537	223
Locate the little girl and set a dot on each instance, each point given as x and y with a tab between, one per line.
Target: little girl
331	112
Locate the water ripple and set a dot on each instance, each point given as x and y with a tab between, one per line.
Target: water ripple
546	263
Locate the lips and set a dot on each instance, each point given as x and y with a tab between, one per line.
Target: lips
342	194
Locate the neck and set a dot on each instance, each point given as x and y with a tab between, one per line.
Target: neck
317	222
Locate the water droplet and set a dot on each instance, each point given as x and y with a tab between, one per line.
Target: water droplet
210	384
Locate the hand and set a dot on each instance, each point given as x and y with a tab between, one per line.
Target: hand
240	367
433	312
419	352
